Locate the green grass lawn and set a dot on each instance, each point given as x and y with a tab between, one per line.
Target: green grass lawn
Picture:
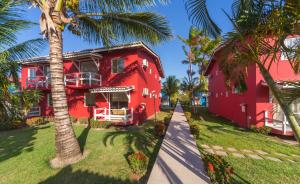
25	154
218	131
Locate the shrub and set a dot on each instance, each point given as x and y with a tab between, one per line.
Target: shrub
188	116
218	169
83	120
94	123
106	124
36	121
138	163
195	130
73	119
262	130
167	120
160	128
100	124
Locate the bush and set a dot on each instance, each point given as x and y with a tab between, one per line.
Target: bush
73	119
262	130
218	169
36	121
160	128
83	120
100	124
188	116
138	163
167	120
195	130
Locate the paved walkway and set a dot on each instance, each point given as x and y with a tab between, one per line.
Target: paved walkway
178	160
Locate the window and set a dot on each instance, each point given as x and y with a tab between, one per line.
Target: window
31	73
236	89
290	43
46	70
49	100
119	101
89	99
117	65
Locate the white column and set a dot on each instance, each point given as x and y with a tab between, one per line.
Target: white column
109	107
266	118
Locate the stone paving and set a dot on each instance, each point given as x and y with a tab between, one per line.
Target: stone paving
248	153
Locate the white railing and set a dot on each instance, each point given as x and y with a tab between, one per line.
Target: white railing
113	114
271	122
83	78
38	82
34	111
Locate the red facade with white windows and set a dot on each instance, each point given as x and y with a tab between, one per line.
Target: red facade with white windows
255	106
121	83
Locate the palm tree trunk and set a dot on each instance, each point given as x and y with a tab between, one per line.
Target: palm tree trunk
66	144
290	116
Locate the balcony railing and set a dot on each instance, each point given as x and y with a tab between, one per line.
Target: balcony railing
81	79
279	124
113	114
38	82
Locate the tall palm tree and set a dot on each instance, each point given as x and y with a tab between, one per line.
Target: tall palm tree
190	85
260	28
97	21
170	87
11	23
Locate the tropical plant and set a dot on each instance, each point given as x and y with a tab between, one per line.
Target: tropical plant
170	87
14	104
190	85
260	30
100	22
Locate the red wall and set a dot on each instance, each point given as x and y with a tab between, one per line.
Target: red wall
256	97
134	75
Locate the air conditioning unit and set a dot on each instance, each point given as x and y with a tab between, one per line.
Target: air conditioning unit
145	63
145	91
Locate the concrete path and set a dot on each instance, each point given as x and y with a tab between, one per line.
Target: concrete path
178	160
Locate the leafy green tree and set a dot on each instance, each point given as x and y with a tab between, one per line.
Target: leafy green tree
170	87
190	85
97	21
260	30
14	105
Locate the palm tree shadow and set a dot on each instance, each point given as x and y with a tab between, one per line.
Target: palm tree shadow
83	137
68	175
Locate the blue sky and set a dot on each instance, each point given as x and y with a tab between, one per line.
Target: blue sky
170	52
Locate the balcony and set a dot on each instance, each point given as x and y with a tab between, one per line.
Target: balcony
73	80
83	80
38	82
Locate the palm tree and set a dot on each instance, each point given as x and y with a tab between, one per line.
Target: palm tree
97	21
13	106
256	23
192	42
190	85
170	87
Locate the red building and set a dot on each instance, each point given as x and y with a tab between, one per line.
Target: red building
256	106
121	83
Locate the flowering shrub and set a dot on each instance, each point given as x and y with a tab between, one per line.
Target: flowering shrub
99	124
160	128
262	130
195	130
219	170
138	163
36	121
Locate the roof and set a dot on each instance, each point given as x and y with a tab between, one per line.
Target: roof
96	51
212	60
115	89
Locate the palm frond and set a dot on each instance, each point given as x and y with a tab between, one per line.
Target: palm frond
199	15
110	27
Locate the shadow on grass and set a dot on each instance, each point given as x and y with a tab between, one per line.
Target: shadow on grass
141	138
14	142
68	175
82	138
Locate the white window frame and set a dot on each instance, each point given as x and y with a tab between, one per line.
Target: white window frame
33	69
84	100
112	61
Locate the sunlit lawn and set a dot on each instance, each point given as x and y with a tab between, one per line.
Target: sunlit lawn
24	154
217	131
